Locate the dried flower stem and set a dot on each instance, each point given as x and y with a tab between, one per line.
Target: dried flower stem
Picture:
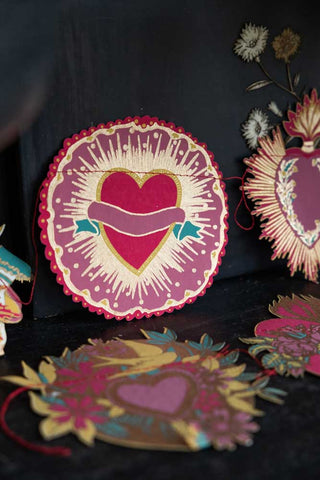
289	76
291	91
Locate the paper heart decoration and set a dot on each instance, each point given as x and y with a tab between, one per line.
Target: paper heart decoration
285	188
133	218
150	393
293	339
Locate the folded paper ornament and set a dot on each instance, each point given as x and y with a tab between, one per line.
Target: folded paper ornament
151	393
11	269
285	189
133	215
291	343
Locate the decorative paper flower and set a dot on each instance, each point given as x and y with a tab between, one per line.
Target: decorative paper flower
158	393
286	44
77	415
252	42
231	428
293	342
255	127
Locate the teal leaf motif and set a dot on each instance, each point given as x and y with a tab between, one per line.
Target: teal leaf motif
156	338
113	429
229	359
206	343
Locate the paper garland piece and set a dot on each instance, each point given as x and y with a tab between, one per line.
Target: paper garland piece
293	340
133	216
285	188
154	393
11	269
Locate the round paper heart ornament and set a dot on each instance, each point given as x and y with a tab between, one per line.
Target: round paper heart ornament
285	188
133	217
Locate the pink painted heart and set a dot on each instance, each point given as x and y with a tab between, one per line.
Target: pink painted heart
154	191
166	396
301	208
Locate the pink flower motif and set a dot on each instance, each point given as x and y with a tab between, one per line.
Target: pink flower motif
227	427
86	378
299	341
207	401
78	410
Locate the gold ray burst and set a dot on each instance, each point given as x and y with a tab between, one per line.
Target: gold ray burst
261	189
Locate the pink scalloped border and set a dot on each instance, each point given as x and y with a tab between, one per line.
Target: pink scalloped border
43	223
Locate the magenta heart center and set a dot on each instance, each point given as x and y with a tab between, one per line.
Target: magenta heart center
153	192
165	396
298	187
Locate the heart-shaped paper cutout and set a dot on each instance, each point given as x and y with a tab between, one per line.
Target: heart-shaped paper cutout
165	395
271	328
150	193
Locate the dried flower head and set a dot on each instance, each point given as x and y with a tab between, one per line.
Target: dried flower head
255	127
252	42
286	44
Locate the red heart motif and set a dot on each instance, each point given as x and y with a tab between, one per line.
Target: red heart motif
306	176
132	193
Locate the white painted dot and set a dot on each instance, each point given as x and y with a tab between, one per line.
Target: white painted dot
97	288
214	227
108	290
127	294
76	265
82	168
203	252
174	142
209	195
73	200
115	305
144	145
140	302
131	130
199	282
156	134
69	172
90	274
181	152
168	294
93	146
194	270
125	147
58	200
216	244
70	249
197	164
177	284
59	227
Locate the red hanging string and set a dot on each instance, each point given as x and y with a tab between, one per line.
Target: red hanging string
59	451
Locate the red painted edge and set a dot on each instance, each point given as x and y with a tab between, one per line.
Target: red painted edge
43	223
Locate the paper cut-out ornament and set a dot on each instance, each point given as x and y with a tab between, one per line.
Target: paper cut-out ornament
133	216
11	269
155	393
285	188
292	340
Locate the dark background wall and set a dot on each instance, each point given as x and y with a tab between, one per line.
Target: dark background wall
73	64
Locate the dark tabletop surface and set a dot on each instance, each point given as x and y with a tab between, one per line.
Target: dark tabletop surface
287	446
